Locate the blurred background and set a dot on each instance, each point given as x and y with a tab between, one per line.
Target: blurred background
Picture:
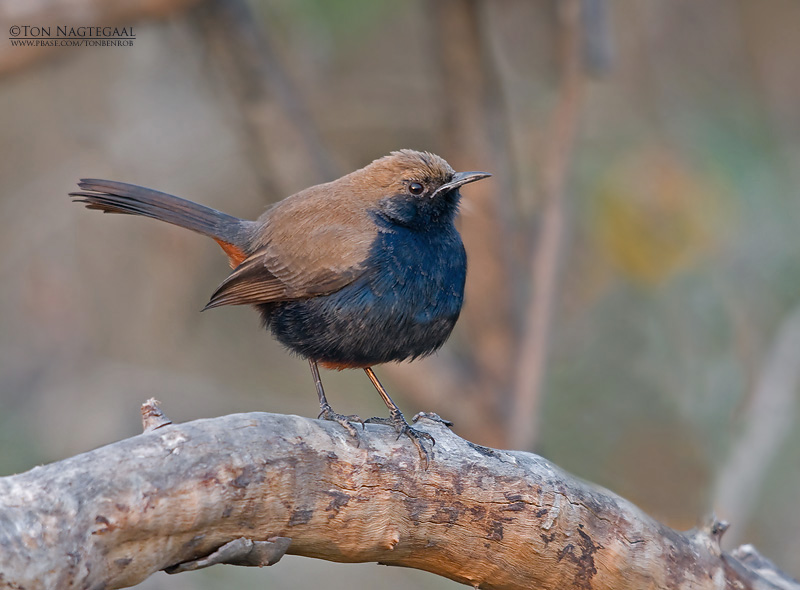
633	296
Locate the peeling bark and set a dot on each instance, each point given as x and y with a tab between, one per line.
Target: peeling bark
246	488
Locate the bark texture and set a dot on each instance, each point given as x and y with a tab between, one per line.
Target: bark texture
246	488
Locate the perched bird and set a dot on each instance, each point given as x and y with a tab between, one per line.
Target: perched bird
364	270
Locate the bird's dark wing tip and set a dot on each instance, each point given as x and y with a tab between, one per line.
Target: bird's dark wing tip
210	305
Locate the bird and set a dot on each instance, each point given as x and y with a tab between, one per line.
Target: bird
360	271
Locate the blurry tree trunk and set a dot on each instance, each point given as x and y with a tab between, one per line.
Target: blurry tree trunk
545	254
247	488
277	125
475	136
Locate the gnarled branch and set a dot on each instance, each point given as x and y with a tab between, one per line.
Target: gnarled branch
246	488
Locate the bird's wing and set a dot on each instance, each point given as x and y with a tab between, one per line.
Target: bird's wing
308	249
267	277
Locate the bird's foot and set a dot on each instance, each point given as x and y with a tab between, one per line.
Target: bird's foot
327	413
398	422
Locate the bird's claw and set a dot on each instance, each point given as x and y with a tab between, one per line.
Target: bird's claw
416	437
398	422
327	413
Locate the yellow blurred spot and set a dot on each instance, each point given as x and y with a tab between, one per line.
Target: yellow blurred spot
654	216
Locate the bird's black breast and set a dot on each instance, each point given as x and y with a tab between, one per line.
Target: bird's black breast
403	306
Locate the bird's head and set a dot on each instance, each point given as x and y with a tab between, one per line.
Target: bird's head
416	189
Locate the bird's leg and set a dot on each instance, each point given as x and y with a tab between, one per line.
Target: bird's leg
325	410
397	420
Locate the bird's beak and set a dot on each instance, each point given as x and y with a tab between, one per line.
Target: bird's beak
459	179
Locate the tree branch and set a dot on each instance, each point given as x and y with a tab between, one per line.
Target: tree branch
247	488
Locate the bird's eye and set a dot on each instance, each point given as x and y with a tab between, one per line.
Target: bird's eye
416	188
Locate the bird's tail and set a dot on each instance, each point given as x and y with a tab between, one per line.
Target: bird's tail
108	196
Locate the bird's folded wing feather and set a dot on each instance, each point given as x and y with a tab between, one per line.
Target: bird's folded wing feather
308	248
